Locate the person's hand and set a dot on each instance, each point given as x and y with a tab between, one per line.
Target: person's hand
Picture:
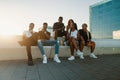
83	42
89	43
44	31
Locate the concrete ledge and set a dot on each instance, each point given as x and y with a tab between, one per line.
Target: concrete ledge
20	53
11	50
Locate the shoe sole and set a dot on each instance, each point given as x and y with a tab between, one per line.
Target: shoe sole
56	61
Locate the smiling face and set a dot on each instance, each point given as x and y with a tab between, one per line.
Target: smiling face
84	27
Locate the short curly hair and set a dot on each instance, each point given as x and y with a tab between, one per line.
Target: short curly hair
84	24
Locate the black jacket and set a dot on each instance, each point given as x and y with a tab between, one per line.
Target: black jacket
84	35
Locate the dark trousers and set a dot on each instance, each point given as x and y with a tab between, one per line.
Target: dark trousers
29	55
28	42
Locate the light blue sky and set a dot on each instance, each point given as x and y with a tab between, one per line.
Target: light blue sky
15	15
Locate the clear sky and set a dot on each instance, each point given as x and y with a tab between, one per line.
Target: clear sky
15	15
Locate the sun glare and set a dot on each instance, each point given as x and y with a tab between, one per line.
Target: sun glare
8	31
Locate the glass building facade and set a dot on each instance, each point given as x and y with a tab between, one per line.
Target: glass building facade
105	19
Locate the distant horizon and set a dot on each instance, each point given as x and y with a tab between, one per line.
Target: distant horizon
17	14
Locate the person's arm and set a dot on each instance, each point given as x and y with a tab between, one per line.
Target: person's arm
67	33
68	36
63	28
43	35
67	27
80	36
55	28
47	34
90	37
59	29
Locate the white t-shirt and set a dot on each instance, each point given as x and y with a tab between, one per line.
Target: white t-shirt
27	33
68	30
74	34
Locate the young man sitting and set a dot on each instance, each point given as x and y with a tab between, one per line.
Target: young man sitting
43	39
85	40
29	38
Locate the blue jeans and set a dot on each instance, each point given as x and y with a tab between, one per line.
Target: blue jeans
50	42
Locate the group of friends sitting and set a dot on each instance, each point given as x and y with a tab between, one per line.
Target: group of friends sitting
73	37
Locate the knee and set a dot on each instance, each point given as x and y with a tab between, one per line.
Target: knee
70	43
39	43
56	42
82	43
93	44
70	38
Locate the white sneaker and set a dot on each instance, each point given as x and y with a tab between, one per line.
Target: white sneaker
56	59
78	52
44	59
81	56
93	56
71	58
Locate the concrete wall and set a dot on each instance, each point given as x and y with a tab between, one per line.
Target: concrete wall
11	50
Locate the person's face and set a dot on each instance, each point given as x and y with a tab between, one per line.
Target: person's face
31	27
45	26
71	25
70	22
84	27
60	20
